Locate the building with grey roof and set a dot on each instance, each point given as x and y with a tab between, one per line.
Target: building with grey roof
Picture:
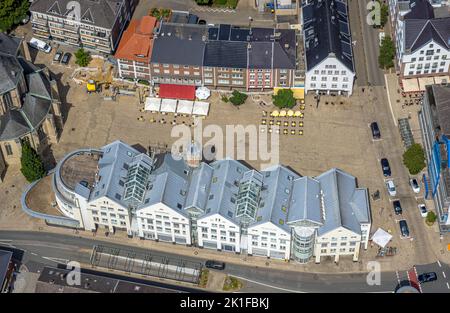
222	55
6	270
422	40
223	205
29	104
328	47
92	24
434	118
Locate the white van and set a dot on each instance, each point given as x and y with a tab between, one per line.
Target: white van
40	45
381	36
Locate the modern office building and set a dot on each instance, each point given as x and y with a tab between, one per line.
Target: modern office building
434	121
135	49
328	47
30	108
92	24
223	205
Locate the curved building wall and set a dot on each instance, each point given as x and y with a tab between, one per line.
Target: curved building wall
302	244
65	195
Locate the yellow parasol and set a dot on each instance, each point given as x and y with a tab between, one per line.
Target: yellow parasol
275	113
290	113
282	113
297	113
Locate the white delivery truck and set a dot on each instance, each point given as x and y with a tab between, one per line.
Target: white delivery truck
40	45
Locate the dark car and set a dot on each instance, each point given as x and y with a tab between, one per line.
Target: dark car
66	58
215	265
397	207
375	130
404	228
427	277
201	22
385	167
58	56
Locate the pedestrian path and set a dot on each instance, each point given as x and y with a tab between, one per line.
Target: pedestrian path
214	10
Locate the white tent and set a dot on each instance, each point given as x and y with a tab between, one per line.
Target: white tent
152	104
168	105
185	107
381	237
200	108
202	93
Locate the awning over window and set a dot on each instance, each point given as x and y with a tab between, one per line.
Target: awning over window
171	91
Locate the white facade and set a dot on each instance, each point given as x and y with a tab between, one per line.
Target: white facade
269	240
336	243
217	232
160	222
430	59
330	76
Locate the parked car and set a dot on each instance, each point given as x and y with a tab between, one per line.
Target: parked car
427	277
201	22
385	167
58	56
414	185
66	58
375	130
40	45
397	207
423	210
215	265
404	228
391	188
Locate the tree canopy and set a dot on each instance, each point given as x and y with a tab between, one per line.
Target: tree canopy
414	159
284	99
387	53
83	57
32	166
12	12
238	98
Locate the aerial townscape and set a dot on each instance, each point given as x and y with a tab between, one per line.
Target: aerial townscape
221	146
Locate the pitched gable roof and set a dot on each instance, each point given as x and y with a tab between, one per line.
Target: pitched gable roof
419	32
327	32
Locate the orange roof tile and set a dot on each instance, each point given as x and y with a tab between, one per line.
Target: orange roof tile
136	42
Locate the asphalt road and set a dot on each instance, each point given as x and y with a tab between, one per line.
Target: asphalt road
51	249
366	47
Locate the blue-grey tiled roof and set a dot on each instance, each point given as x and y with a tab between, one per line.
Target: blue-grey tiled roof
344	204
306	201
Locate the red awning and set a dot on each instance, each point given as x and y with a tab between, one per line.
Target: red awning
183	92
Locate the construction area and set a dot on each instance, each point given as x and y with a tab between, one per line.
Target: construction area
99	77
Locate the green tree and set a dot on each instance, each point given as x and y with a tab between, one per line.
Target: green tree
414	159
387	53
32	166
83	57
431	218
202	2
384	15
12	12
284	99
238	98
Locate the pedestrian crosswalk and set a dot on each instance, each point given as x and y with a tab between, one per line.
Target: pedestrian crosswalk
214	10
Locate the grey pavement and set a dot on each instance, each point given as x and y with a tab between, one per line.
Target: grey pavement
52	249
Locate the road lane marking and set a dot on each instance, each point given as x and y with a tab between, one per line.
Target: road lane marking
448	287
33	253
443	273
398	277
56	260
266	285
439	263
389	99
